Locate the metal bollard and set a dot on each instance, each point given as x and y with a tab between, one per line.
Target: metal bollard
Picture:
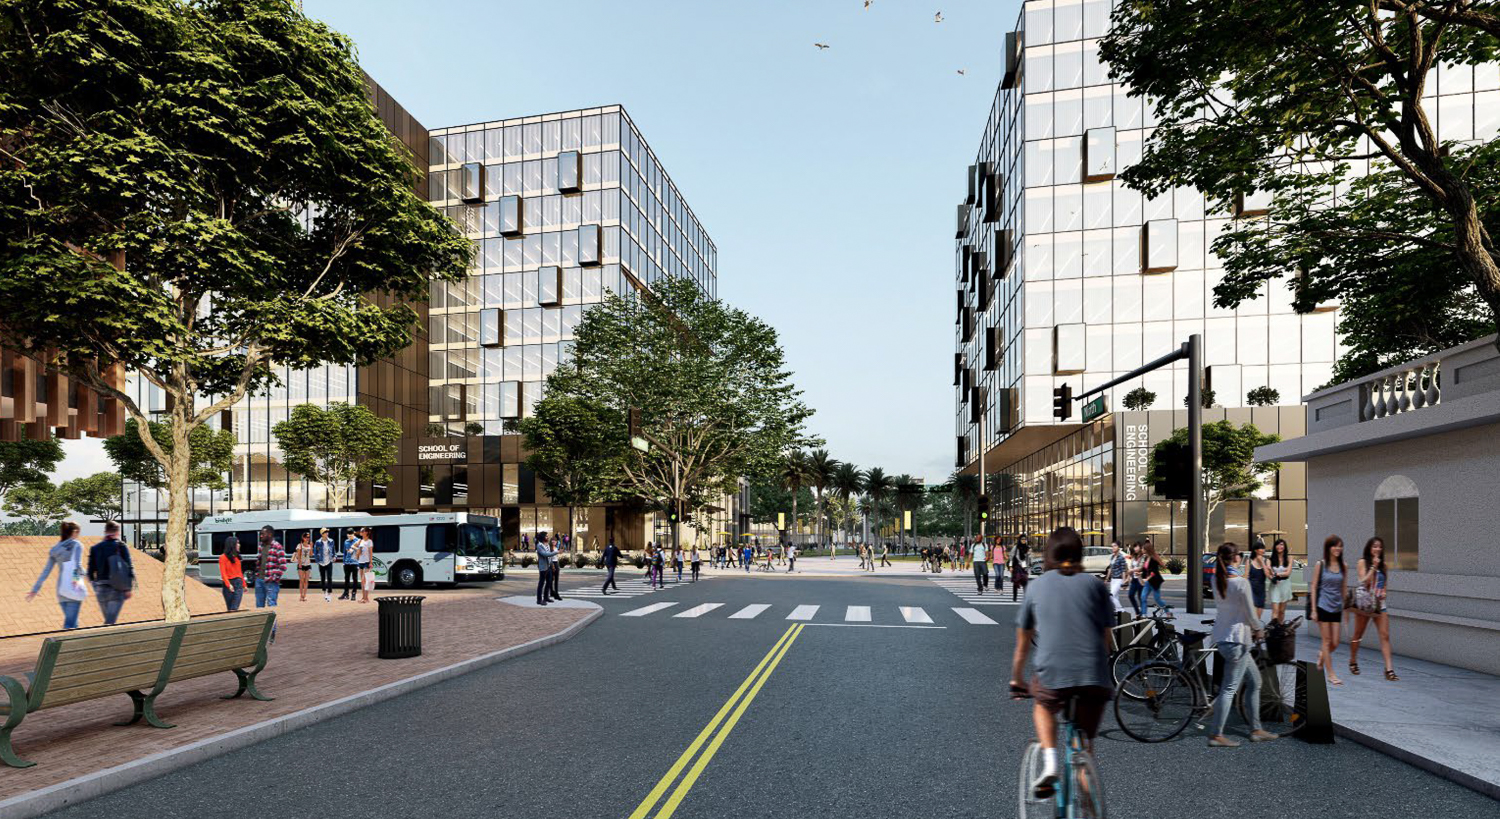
1312	700
400	621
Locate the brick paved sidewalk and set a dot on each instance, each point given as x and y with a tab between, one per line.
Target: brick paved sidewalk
323	652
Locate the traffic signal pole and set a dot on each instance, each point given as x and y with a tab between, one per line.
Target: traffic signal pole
983	487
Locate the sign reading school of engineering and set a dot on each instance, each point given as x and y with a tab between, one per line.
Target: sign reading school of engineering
444	452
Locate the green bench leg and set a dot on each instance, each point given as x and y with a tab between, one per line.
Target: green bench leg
13	716
145	706
247	683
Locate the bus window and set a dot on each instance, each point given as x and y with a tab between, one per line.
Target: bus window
492	539
387	538
442	537
477	542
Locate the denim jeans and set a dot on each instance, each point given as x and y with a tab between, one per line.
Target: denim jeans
266	592
1152	591
70	612
110	601
1238	664
1138	597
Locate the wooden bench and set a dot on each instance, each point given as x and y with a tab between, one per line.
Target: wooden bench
135	659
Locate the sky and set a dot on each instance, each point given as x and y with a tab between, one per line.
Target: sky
827	178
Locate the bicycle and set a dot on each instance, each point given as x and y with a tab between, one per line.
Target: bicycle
1079	793
1153	640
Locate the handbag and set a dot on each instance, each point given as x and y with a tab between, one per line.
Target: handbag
1364	599
71	584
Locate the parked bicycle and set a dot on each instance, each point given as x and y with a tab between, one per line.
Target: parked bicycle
1153	638
1079	793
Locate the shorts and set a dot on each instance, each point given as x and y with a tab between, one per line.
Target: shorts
364	565
1326	616
1088	704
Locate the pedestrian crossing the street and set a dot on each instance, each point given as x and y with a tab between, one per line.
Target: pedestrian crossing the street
816	615
964	587
628	588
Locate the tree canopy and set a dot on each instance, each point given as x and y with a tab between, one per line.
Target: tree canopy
1229	467
199	193
212	455
337	446
38	506
97	496
576	448
28	461
1322	108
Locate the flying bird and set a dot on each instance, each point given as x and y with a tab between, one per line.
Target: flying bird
820	45
937	18
868	2
960	72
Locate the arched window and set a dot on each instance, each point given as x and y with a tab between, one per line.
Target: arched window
1396	521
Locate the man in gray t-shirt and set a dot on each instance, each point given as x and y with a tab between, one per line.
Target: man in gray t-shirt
1069	613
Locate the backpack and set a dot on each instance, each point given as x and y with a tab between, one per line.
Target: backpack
121	574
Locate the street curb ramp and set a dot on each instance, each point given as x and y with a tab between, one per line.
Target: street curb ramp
86	787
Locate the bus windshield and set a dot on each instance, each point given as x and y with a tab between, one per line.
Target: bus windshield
478	541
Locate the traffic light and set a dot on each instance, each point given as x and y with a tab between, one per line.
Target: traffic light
1062	402
1172	469
674	511
984	507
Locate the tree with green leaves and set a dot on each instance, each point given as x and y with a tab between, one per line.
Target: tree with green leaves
1139	398
848	482
1229	467
337	446
911	496
211	451
97	495
576	448
964	491
1293	102
28	460
1262	397
820	469
715	397
200	193
1205	396
878	487
793	476
38	506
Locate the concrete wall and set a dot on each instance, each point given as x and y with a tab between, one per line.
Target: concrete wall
1448	610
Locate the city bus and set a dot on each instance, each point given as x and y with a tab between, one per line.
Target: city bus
438	547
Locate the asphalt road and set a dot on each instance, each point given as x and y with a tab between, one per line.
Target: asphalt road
858	720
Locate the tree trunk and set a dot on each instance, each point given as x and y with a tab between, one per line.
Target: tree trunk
179	509
793	538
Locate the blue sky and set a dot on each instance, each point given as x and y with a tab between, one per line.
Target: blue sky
827	178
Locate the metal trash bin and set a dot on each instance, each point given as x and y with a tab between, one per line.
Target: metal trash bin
400	627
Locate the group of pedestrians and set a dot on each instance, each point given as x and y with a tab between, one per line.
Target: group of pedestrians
866	553
1335	597
1139	570
106	571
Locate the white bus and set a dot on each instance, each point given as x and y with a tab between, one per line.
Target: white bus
439	547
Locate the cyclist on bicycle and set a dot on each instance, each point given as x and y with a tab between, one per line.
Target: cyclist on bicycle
1072	650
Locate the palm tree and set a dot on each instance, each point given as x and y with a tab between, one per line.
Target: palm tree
847	482
820	469
911	499
877	486
966	488
793	478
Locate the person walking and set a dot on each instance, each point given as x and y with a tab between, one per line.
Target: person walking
1369	606
1133	566
304	565
697	561
366	564
1328	594
268	571
611	562
545	554
1236	630
885	555
350	560
998	564
1280	578
1020	570
67	556
324	551
1116	572
1152	577
111	573
659	564
981	569
747	558
791	558
232	574
1256	573
677	562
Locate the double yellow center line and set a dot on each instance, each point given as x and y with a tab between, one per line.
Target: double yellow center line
714	733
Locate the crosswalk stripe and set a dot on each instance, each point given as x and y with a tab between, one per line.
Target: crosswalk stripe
857	614
645	610
974	616
750	612
802	613
914	614
698	610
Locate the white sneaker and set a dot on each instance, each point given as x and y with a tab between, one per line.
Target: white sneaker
1044	786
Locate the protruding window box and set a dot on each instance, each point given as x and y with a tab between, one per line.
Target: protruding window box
508	400
958	368
589	253
1069	350
977	404
973	185
1099	155
992	352
963	222
1159	246
549	287
471	182
1255	203
994	193
512	221
569	172
492	327
1013	46
1004	252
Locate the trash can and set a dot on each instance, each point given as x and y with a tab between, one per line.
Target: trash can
400	627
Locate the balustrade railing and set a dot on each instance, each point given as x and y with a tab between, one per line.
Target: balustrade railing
1405	390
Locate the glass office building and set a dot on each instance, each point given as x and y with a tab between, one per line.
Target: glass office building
1066	276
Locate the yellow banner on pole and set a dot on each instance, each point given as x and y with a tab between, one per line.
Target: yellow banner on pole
908	520
780	520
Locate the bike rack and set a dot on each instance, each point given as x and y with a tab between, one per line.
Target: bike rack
1312	696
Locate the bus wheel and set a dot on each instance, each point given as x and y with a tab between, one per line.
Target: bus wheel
405	576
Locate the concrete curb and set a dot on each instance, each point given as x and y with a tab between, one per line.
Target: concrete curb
89	786
1432	766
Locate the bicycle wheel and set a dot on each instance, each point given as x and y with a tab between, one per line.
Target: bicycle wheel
1086	791
1125	660
1031	768
1279	697
1167	703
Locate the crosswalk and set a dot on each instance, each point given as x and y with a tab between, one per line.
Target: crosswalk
812	614
628	588
963	587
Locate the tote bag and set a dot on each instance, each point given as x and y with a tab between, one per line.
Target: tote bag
71	584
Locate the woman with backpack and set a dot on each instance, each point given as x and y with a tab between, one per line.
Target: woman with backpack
1020	569
67	556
